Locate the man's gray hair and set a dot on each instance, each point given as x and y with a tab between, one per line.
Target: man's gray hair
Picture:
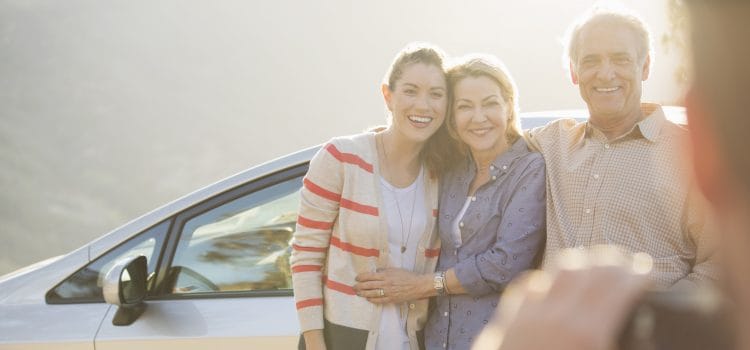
612	15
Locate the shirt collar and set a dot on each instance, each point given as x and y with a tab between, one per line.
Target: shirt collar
503	161
648	128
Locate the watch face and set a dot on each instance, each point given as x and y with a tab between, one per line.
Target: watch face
439	283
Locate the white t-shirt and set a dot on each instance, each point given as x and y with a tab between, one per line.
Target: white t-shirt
456	232
405	213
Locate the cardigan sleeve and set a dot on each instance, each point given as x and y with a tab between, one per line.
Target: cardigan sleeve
318	211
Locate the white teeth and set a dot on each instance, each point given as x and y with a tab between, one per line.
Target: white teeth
480	132
607	89
418	119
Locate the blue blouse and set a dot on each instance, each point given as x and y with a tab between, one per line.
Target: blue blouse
502	233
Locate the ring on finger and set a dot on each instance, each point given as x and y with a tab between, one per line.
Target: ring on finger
381	292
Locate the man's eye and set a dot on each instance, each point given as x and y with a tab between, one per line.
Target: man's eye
623	60
437	95
410	91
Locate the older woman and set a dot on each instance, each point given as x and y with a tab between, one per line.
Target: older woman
492	211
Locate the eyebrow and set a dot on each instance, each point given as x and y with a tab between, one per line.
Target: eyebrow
415	86
483	100
590	56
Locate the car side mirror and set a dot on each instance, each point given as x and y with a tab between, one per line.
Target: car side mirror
125	287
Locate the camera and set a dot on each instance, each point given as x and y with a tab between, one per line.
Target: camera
697	318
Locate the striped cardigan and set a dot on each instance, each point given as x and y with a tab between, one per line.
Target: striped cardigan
341	233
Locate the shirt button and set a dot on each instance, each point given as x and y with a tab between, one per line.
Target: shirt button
474	199
588	211
492	167
412	306
606	145
596	176
445	314
494	177
505	167
444	345
461	224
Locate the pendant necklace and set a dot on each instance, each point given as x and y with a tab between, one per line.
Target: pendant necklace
404	242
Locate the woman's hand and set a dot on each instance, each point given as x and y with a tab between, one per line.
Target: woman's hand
393	286
314	340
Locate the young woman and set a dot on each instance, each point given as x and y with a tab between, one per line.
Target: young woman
369	202
492	211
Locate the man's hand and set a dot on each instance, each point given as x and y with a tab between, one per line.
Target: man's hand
393	286
581	306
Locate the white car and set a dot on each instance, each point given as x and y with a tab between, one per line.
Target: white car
209	270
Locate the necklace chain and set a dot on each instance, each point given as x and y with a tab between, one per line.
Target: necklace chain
404	242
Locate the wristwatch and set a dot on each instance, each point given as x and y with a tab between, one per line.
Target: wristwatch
438	282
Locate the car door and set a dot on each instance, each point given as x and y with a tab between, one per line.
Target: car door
223	278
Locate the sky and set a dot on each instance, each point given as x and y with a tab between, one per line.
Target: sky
109	109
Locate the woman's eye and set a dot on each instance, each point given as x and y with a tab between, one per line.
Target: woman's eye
437	95
463	107
410	92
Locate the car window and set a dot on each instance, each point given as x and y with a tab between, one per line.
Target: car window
241	245
86	284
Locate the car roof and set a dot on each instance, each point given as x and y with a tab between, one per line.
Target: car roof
528	120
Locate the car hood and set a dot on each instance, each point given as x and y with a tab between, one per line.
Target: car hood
29	268
30	283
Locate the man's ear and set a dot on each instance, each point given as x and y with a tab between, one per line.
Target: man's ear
573	74
646	68
387	95
709	166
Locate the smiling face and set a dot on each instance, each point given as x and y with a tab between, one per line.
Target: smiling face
609	70
418	101
480	114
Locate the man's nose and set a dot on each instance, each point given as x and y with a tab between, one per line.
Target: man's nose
606	71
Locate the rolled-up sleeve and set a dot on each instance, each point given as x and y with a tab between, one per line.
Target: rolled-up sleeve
518	237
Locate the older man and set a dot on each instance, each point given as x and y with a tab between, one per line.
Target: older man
617	179
584	308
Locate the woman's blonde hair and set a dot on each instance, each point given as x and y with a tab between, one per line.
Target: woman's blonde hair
480	65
